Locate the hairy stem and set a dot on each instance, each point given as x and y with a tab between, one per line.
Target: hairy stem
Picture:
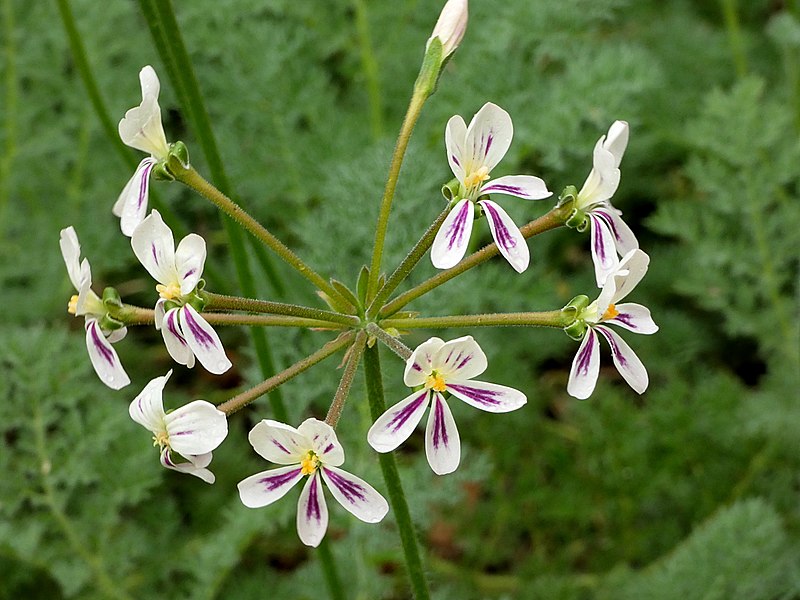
389	341
553	318
350	368
218	301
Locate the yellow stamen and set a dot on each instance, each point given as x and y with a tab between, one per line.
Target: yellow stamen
169	292
610	313
161	439
435	382
309	464
476	178
72	307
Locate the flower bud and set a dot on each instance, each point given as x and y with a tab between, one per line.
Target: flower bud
451	26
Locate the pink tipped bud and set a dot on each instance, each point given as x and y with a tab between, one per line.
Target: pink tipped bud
451	26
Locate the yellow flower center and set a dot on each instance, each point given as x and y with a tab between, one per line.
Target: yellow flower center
72	307
169	292
435	382
309	464
610	313
476	178
161	439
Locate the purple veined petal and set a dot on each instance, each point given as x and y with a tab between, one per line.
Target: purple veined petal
323	441
355	495
159	313
507	236
617	140
488	137
141	127
634	317
521	186
632	268
626	361
442	443
190	258
278	442
266	487
131	205
104	358
460	359
196	465
604	252
147	408
624	238
455	135
203	341
312	512
196	428
585	367
490	397
420	364
154	246
174	339
394	426
452	239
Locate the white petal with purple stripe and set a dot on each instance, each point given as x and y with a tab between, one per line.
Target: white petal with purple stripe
604	252
196	428
196	465
141	127
632	268
507	236
312	512
154	246
488	137
355	495
585	367
266	487
420	363
527	187
131	205
147	408
626	361
442	443
203	341
322	440
455	135
452	239
490	397
460	359
394	426
624	238
174	340
190	258
634	317
104	358
278	442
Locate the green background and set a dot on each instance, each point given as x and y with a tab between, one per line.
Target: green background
689	491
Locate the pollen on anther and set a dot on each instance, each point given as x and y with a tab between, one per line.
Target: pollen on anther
72	307
610	313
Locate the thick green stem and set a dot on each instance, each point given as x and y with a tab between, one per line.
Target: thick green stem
555	218
389	341
350	368
408	537
407	265
241	400
135	315
370	69
330	572
553	318
221	302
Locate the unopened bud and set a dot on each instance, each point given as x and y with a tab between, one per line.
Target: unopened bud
451	26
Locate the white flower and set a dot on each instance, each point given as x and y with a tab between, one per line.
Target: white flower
440	367
606	311
472	153
141	129
451	26
192	431
312	449
609	233
86	304
186	333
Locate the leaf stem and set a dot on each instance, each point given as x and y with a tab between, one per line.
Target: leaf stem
353	358
389	341
219	301
553	318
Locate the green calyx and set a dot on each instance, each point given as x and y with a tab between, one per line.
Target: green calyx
111	299
577	330
432	64
451	190
109	323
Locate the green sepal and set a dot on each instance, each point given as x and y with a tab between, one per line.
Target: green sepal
362	284
109	323
428	77
577	330
111	298
479	214
350	299
578	304
452	190
569	194
181	152
577	220
197	302
201	285
162	172
170	304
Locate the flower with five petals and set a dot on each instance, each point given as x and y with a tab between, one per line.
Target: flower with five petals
178	270
310	450
104	358
472	153
440	367
605	311
192	431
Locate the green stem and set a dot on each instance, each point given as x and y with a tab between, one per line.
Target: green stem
221	302
269	321
730	12
389	341
408	537
370	68
553	318
329	571
407	265
555	218
241	400
339	399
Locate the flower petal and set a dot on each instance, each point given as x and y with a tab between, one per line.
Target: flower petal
394	426
159	313
196	428
278	442
442	443
624	238
420	364
104	358
196	465
459	359
585	367
266	487
507	236
626	361
488	137
154	246
71	251
355	495
131	205
141	127
312	512
634	317
617	140
323	441
455	135
190	258
147	408
490	397
603	179
452	239
521	186
174	340
604	252
632	268
203	341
